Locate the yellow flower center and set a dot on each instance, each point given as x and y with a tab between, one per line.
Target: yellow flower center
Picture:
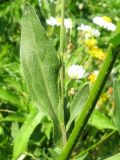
107	19
59	20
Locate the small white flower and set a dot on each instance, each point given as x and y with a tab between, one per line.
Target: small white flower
57	22
89	31
68	23
83	27
95	32
104	22
52	22
76	72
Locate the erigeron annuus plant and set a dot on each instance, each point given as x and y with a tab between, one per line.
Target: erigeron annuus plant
43	70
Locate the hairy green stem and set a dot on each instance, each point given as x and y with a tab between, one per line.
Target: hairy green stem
104	138
91	102
62	33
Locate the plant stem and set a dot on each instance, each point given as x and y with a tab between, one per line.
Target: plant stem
91	102
104	138
62	33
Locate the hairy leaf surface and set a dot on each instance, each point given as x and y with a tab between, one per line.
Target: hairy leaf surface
40	66
39	62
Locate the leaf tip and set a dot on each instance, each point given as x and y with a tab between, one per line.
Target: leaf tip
27	8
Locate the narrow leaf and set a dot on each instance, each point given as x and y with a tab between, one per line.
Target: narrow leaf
116	113
78	103
22	138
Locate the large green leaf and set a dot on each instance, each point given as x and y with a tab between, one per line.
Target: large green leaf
40	63
78	103
22	138
40	66
101	121
116	113
114	157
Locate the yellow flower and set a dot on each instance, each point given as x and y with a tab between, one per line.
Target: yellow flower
104	97
90	42
92	77
97	53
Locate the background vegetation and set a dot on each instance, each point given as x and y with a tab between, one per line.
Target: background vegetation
99	138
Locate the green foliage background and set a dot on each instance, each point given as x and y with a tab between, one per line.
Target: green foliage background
15	102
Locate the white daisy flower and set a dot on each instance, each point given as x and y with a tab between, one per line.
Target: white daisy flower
76	72
104	22
88	31
52	21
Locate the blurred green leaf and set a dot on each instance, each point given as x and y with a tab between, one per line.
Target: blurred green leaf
55	152
114	157
116	113
116	36
47	7
11	97
14	117
77	103
101	121
115	40
22	138
83	157
14	130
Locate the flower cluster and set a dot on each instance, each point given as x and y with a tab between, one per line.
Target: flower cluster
104	22
94	50
52	21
